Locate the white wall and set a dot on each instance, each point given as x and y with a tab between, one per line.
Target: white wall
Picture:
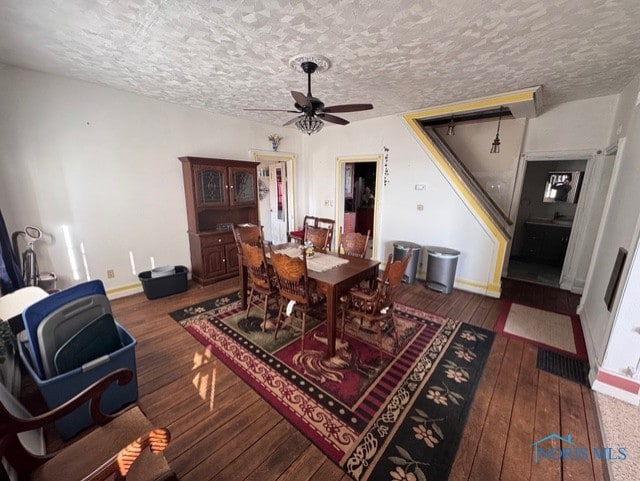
105	164
579	125
623	350
616	348
445	220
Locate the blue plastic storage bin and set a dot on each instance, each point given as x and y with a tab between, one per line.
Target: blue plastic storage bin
75	307
59	389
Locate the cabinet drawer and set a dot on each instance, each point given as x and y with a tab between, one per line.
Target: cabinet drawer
210	240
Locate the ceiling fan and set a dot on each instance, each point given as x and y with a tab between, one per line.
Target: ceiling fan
313	111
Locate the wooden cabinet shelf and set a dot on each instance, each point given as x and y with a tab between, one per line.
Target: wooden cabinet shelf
219	193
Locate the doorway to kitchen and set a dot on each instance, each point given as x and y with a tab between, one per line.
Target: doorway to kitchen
358	196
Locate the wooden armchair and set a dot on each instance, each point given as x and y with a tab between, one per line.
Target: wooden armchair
374	306
261	279
100	455
354	244
298	235
294	285
318	236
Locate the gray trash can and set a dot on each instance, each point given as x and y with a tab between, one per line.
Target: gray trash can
400	249
441	268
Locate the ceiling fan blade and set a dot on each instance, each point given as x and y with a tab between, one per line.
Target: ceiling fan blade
333	119
348	108
301	99
274	110
295	119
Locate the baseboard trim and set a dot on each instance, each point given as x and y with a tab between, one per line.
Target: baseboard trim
620	387
124	291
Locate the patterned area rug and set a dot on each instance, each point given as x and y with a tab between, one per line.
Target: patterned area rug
399	417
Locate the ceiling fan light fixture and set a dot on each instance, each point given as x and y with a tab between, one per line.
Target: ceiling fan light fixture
309	125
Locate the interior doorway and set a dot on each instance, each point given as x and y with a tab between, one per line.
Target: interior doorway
551	191
358	197
275	194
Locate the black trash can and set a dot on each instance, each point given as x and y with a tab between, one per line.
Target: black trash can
441	268
400	249
155	286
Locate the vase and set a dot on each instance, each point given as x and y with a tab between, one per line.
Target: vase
275	145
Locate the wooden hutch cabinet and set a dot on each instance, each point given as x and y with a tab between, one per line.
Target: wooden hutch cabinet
219	193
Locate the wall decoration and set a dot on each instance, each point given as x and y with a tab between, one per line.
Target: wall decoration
275	141
385	174
263	189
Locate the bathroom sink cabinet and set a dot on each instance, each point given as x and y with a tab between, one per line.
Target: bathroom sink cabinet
546	243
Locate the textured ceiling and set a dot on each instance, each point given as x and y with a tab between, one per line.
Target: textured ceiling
399	55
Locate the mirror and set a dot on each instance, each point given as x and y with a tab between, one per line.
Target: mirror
563	186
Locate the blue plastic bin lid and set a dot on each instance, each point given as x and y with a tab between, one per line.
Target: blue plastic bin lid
33	315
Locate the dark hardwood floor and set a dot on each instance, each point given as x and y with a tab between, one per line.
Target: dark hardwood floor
223	430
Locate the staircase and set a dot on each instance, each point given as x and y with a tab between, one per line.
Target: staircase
484	201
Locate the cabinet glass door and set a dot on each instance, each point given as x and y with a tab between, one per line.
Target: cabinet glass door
211	185
243	185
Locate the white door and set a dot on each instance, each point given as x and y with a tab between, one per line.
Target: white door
278	191
264	199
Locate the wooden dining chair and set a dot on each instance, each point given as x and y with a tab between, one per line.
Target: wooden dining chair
261	280
354	244
328	224
374	306
248	233
117	449
318	236
294	285
298	235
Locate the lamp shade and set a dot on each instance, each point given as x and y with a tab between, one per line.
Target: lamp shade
309	125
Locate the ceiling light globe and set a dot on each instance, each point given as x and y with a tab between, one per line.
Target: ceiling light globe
309	125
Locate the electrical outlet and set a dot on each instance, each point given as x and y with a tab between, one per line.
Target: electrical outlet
110	274
328	203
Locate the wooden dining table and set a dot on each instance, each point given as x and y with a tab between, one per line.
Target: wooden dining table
332	283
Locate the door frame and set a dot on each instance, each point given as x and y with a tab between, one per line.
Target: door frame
340	167
568	274
270	157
